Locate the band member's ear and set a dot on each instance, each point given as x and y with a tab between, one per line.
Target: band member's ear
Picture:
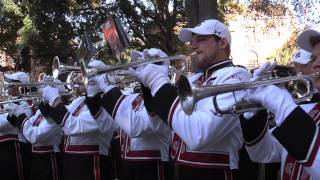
223	43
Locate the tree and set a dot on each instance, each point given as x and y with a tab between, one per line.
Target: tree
284	54
11	20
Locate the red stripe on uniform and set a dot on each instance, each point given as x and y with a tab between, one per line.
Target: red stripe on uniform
77	111
54	167
90	149
96	167
43	149
203	160
9	137
160	171
19	160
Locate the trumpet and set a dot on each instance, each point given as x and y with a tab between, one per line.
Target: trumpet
60	68
11	100
89	72
300	86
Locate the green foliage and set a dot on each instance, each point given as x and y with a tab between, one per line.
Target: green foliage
10	23
284	54
152	23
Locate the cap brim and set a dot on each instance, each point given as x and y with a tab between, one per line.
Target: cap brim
185	35
9	77
300	61
304	40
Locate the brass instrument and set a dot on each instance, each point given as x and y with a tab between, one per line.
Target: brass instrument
89	72
13	100
300	86
60	68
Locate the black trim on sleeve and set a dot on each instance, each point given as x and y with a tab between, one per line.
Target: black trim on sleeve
12	120
164	99
58	113
20	120
147	99
94	104
253	129
296	133
110	99
45	109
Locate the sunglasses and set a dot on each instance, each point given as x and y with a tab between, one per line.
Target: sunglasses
313	58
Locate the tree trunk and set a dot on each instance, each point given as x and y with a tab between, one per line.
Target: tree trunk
200	10
208	9
192	12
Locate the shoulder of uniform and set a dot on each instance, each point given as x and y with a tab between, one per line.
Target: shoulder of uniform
231	70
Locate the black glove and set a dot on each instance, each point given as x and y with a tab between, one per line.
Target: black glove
45	109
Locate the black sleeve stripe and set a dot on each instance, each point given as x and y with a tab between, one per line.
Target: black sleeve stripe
59	114
20	120
313	150
110	99
171	112
96	116
163	101
94	104
297	134
24	121
254	129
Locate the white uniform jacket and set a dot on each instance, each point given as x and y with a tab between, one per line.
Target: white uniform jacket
44	136
262	146
142	137
7	131
204	139
81	130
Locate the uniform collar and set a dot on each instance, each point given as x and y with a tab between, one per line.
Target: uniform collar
217	66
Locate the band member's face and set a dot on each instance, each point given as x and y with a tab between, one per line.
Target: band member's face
206	48
303	68
13	91
316	63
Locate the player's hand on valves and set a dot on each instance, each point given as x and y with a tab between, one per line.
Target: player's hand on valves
49	94
102	82
263	69
153	76
14	109
276	100
153	53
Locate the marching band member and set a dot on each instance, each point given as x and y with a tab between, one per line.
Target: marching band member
45	138
205	145
85	151
295	140
14	149
144	139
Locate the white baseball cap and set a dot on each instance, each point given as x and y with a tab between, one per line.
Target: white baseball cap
18	76
207	27
308	38
302	57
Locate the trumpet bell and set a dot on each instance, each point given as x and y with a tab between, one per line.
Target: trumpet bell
186	94
59	68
